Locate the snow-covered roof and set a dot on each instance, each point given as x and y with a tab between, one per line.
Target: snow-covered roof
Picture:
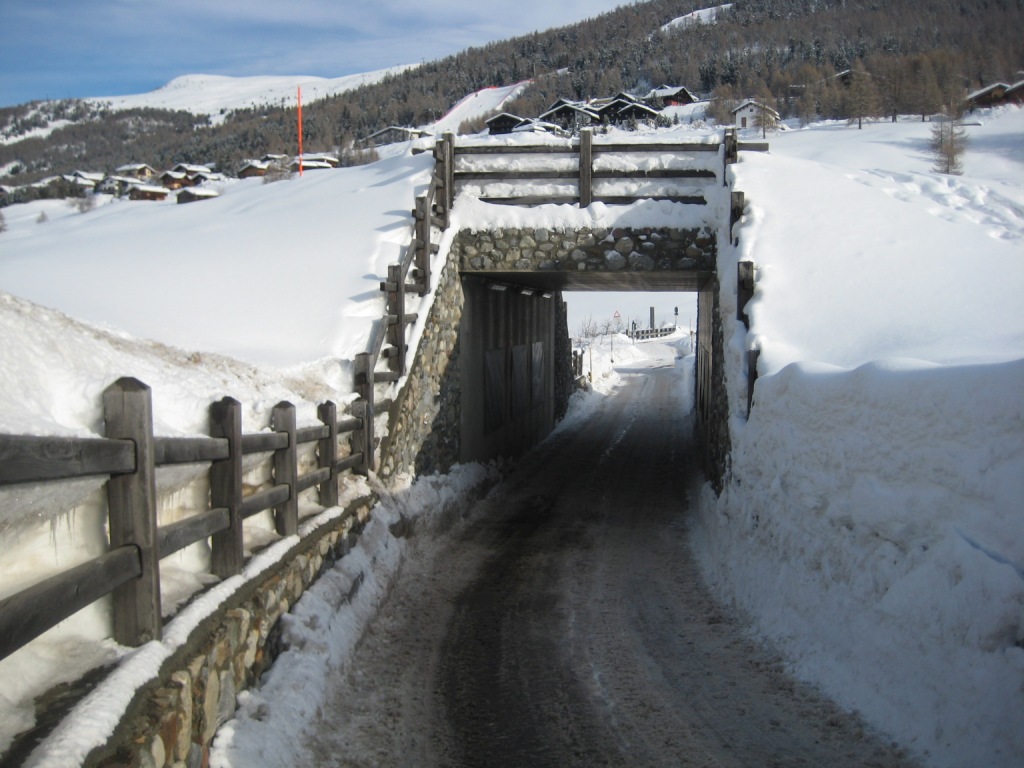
987	89
130	167
188	168
94	176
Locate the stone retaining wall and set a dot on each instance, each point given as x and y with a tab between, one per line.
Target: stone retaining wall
423	427
604	250
171	722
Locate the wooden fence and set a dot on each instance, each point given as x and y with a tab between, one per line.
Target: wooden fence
586	172
644	334
129	455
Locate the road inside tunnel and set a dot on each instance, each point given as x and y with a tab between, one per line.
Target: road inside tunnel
563	623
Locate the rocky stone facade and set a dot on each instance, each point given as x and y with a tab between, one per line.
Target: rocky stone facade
604	250
423	427
172	722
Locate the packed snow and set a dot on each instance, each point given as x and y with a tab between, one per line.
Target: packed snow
871	527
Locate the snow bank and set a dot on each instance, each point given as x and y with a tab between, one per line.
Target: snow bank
872	524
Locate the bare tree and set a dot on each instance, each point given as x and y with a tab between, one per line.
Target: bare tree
948	144
587	329
3	222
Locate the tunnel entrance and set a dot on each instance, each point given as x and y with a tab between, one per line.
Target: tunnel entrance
515	354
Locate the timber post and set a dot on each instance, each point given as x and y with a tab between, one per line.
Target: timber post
586	167
227	551
362	439
327	454
131	502
286	469
744	290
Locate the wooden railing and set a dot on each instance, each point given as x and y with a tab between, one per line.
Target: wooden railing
585	153
432	211
129	455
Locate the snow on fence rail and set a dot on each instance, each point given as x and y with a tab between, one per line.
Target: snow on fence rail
130	455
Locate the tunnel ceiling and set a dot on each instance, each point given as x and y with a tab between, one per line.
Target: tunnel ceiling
557	280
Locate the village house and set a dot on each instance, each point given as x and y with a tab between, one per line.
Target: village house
189	169
139	171
309	165
503	123
117	185
193	194
147	192
393	134
996	95
174	179
748	114
670	96
321	157
253	168
570	115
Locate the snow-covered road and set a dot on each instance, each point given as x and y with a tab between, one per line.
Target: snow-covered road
564	623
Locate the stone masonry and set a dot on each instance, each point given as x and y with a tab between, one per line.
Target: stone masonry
172	722
604	250
423	428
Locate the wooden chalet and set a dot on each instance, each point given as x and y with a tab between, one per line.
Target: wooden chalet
321	157
990	96
570	115
147	192
670	96
503	123
393	134
1015	93
310	165
139	171
620	112
189	169
193	194
174	179
253	168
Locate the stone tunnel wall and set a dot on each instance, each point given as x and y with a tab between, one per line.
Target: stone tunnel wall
424	427
605	250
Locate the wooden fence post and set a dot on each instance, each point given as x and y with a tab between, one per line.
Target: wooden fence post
286	469
422	236
327	454
449	176
586	167
396	317
752	357
226	488
362	439
744	290
131	502
737	202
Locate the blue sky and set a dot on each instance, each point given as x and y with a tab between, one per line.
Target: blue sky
53	49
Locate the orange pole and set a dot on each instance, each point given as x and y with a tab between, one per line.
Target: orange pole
300	130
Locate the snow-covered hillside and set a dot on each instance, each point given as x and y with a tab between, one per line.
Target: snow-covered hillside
872	528
215	95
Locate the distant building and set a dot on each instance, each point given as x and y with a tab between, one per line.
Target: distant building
503	123
139	171
670	96
147	192
393	134
748	113
253	168
193	194
990	96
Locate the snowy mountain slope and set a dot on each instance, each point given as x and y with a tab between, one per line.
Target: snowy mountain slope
216	94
